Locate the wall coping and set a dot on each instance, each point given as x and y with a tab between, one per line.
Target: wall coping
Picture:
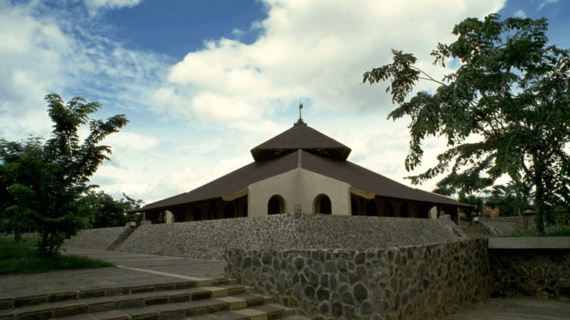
530	243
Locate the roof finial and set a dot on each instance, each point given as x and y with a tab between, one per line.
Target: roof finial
300	121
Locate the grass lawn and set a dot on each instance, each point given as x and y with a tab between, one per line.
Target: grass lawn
25	260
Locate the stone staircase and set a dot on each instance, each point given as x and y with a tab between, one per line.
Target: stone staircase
475	232
192	300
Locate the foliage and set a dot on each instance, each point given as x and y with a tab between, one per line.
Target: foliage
106	212
506	110
25	259
558	230
56	173
511	199
23	171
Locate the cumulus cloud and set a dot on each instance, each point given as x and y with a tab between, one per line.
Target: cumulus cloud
307	49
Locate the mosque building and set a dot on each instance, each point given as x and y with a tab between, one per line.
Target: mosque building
304	169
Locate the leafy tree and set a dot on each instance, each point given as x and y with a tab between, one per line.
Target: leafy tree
21	172
510	93
62	170
511	199
106	212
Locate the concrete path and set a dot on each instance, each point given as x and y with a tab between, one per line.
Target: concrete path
135	270
515	308
171	265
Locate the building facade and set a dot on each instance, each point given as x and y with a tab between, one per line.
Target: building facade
300	167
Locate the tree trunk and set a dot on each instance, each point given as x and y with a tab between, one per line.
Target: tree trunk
539	201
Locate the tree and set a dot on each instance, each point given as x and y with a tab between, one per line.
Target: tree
511	199
510	92
106	212
21	171
62	170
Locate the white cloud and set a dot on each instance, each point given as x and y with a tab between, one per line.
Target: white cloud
96	6
520	14
546	2
315	51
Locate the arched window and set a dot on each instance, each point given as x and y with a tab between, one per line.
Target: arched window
197	214
371	209
229	211
212	213
354	207
276	205
322	204
389	209
404	210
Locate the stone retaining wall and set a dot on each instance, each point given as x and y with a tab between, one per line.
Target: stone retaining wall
100	238
209	239
411	282
517	224
534	272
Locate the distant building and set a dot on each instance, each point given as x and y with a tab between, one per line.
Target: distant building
300	166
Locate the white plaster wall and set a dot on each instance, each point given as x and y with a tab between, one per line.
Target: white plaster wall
284	184
314	184
298	186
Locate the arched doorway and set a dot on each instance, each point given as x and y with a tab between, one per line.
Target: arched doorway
196	214
322	204
389	209
276	205
354	207
371	209
229	211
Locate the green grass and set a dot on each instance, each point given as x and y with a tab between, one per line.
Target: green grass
559	230
24	259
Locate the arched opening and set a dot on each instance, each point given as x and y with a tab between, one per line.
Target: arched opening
212	213
389	209
196	214
276	205
169	217
371	209
433	212
229	211
354	207
322	204
404	211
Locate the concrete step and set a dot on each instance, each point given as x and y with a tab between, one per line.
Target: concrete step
23	301
103	305
267	311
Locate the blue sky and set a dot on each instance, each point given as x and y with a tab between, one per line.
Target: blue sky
203	82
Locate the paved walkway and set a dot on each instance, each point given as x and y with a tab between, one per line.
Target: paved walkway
172	265
515	308
135	270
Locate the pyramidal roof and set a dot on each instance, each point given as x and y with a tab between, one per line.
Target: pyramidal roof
302	137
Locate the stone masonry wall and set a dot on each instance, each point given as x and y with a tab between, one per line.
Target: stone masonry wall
100	238
514	224
411	282
209	239
534	272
